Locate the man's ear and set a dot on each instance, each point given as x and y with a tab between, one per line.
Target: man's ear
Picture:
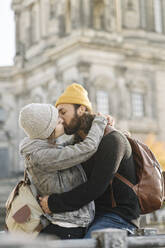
81	110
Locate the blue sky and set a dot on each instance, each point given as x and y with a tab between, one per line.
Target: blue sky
7	39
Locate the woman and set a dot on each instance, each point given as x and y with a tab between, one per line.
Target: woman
54	168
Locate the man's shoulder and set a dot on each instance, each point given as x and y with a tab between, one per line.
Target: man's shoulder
114	138
115	134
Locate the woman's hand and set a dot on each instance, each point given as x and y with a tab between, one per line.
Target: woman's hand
109	118
110	125
44	204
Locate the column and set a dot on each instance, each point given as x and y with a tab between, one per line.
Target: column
163	15
118	8
158	16
36	9
150	15
142	9
44	15
17	35
110	15
86	14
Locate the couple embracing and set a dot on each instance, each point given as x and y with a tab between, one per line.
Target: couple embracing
75	180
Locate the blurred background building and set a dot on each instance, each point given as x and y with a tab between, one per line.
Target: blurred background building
114	48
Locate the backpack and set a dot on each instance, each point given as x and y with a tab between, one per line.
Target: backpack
23	212
150	188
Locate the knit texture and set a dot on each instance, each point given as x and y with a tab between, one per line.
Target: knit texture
38	120
75	94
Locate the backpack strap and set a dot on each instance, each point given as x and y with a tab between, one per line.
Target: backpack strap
112	195
110	129
124	180
163	172
120	177
39	227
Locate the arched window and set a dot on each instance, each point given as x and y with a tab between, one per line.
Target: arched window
137	103
130	14
102	100
130	5
98	14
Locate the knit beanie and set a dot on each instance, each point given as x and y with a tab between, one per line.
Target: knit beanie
38	120
75	94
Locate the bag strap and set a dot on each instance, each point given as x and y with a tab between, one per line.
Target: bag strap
39	228
26	178
28	181
117	175
112	195
163	173
124	180
109	130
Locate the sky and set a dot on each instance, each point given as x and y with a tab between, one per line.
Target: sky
7	36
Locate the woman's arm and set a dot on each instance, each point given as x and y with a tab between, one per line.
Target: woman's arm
105	163
69	141
52	159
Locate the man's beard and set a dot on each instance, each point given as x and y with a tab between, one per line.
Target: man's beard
79	123
73	126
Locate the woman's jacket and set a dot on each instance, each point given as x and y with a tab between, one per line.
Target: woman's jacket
57	169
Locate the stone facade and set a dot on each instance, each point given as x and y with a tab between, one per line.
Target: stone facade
114	48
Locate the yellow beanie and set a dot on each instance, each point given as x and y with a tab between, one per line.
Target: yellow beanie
75	94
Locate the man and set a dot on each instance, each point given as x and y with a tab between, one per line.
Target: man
116	204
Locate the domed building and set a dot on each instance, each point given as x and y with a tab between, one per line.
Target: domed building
114	48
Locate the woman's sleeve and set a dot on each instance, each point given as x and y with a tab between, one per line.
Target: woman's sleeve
52	159
69	141
105	163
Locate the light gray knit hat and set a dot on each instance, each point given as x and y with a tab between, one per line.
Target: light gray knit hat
38	120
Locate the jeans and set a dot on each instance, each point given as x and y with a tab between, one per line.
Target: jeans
109	220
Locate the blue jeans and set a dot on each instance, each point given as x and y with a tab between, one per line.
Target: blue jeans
109	220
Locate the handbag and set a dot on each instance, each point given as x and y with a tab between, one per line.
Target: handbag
23	212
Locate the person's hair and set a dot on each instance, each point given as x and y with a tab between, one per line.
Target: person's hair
76	106
85	124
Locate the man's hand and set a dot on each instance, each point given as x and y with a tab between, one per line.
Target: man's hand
44	204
